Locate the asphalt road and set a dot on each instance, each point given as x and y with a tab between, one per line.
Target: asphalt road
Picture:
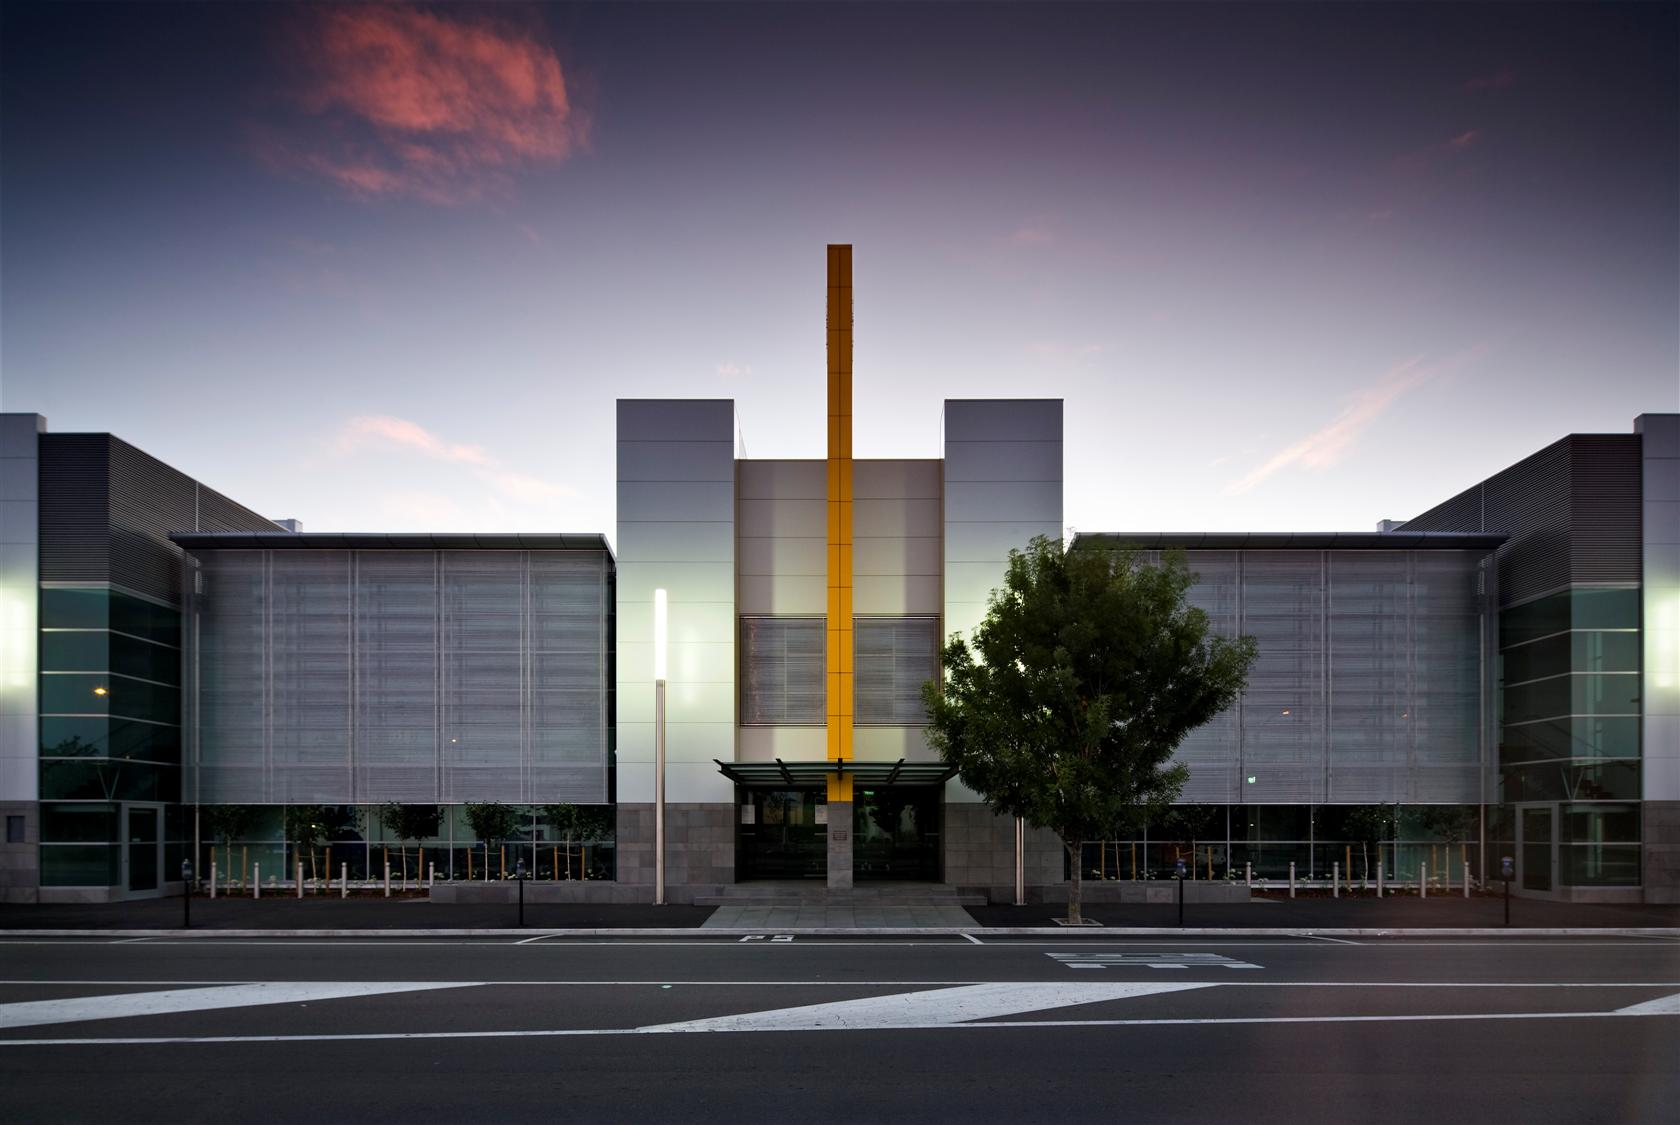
705	1029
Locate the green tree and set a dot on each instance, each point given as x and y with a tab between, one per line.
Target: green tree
408	823
1369	824
1086	674
226	823
491	820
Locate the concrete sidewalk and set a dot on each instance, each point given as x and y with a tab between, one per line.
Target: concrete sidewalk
326	913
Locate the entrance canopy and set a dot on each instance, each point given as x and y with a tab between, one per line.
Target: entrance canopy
789	775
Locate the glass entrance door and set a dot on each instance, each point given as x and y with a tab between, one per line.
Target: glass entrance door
1537	848
895	834
144	855
782	834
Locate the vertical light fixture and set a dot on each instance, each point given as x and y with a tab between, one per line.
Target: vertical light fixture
659	669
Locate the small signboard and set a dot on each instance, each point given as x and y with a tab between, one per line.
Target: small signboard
749	814
822	814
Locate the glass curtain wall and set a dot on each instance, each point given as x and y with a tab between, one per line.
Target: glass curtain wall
110	733
1570	736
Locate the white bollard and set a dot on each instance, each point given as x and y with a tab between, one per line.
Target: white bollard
1292	879
256	880
212	878
431	875
1336	879
1248	875
1466	878
300	878
1423	880
387	880
1379	875
344	880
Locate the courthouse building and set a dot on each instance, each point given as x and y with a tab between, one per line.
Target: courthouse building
183	677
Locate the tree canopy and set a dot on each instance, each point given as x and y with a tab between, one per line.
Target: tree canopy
1088	671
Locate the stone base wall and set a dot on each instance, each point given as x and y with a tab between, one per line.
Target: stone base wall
20	864
699	849
1661	851
980	854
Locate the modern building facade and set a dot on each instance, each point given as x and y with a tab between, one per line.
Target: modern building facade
183	677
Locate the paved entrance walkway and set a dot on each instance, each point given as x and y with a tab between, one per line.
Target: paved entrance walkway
798	905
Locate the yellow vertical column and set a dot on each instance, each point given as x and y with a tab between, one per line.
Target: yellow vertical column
840	516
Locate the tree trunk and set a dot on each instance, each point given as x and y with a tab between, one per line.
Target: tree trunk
1075	849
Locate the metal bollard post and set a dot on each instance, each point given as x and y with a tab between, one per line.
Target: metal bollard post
212	878
1336	879
1379	874
344	880
1466	878
431	875
1291	878
1248	875
1423	880
256	880
387	880
300	878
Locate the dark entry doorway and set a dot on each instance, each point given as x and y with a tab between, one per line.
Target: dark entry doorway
781	834
895	833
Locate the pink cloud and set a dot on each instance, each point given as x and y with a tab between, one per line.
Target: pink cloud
1464	140
383	431
447	108
1501	79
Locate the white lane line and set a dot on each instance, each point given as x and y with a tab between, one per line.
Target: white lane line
33	1013
372	1037
532	940
932	1008
1334	940
974	939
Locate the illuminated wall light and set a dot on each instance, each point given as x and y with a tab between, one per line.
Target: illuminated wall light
659	635
17	625
101	691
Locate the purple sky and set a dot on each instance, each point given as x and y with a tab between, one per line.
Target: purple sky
1292	268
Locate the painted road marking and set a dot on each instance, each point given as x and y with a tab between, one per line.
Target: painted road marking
931	1008
1149	961
33	1013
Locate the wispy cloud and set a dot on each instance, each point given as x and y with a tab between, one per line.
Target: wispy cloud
443	107
1035	231
729	369
1502	79
1327	447
1464	140
384	432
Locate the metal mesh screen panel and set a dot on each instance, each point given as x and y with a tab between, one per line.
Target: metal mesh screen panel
894	657
782	671
346	677
1367	688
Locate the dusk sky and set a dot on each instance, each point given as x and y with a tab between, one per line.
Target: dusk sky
388	268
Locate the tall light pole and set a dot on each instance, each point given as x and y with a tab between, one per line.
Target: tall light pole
659	669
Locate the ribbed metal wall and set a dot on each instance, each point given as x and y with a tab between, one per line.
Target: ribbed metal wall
1571	511
107	510
1367	687
345	677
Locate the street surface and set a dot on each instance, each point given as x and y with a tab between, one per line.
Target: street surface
822	1029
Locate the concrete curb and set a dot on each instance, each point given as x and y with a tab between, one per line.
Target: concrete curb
1086	933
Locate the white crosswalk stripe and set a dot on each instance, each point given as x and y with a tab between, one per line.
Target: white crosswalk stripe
76	1009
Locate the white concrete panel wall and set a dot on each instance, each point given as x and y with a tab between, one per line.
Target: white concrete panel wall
676	530
1003	485
20	576
896	535
1661	594
782	537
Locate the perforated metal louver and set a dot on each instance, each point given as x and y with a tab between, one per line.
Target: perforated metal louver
894	657
782	671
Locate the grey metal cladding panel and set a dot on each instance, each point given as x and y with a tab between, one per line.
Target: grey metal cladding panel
75	514
878	479
676	460
1461	513
1003	460
1605	499
676	419
782	480
1021	419
218	513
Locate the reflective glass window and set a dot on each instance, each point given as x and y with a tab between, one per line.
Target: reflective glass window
88	651
80	865
1606	609
80	779
74	609
78	824
1571	781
